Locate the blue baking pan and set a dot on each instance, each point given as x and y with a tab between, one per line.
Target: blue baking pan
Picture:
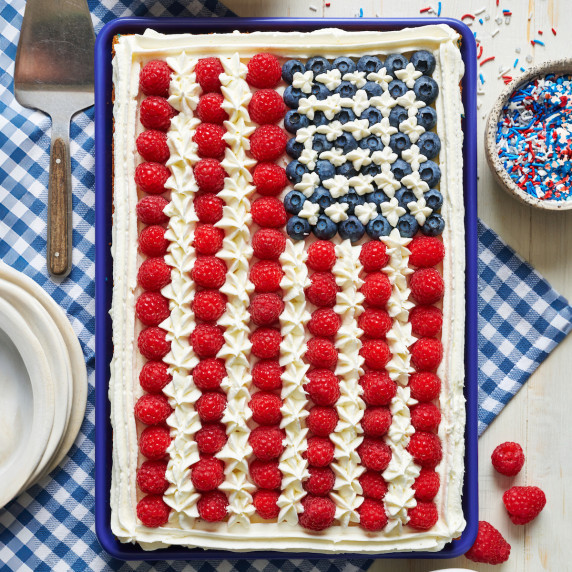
103	278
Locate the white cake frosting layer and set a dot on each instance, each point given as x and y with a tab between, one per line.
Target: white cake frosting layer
131	52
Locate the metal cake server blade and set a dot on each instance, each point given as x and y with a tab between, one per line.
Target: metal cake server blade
54	74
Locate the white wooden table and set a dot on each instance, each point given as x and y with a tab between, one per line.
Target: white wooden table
536	417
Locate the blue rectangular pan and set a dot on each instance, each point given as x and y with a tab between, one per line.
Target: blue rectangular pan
104	275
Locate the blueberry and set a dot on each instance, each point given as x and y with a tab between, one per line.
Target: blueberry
320	91
322	197
345	65
319	118
346	170
395	62
404	197
295	170
294	148
290	68
294	201
430	173
298	228
369	64
351	228
325	170
400	169
372	169
377	227
434	199
378	197
372	114
372	89
426	89
397	115
429	144
320	143
325	228
407	226
399	142
397	88
372	142
434	225
292	96
318	65
346	142
294	121
352	199
427	118
346	89
345	116
424	62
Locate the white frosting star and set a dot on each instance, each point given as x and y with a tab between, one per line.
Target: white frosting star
331	130
303	81
384	102
381	77
307	106
414	182
386	180
306	135
386	155
359	158
410	102
309	182
331	79
331	105
357	78
366	212
360	102
384	130
359	128
337	211
338	186
361	184
408	75
419	210
310	211
411	128
414	157
308	157
392	211
335	156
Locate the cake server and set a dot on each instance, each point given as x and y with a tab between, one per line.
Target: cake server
54	74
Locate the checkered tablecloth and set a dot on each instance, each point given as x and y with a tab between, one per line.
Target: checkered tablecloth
51	526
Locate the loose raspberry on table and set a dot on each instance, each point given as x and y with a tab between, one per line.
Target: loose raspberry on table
375	323
376	289
153	344
424	386
266	442
268	212
426	354
152	511
211	438
321	256
266	343
523	504
266	106
154	274
269	179
490	547
152	308
151	177
323	387
209	272
152	146
427	286
373	485
154	441
378	388
426	251
151	477
323	289
266	374
426	485
318	513
150	210
268	143
210	110
207	72
152	409
321	353
155	77
322	421
424	516
373	256
264	502
508	458
209	373
154	376
268	243
265	407
209	140
376	354
320	482
209	208
372	515
208	305
264	71
426	449
209	175
425	417
156	113
213	506
265	309
320	451
152	241
207	474
206	340
426	321
207	239
374	454
324	323
266	276
210	406
266	474
376	421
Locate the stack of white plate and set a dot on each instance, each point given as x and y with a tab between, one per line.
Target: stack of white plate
43	384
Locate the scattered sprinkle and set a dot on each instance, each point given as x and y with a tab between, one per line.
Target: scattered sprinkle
313	8
480	51
535	41
498	21
517	50
529	58
522	69
481	21
361	12
481	77
540	32
489	59
497	30
515	63
467	16
439	9
480	11
423	10
554	31
503	71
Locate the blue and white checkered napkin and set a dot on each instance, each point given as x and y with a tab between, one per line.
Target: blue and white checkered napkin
51	527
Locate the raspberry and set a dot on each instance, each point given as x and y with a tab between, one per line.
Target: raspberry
154	442
376	289
426	449
523	504
322	420
209	373
375	323
207	73
378	388
210	406
266	375
426	485
321	352
150	210
376	354
209	272
324	323
152	343
213	506
323	387
373	256
269	179
426	354
208	305
264	71
425	417
268	212
209	208
209	175
154	274
266	106
206	340
207	474
152	146
508	459
373	485
266	408
266	474
265	504
154	78
151	477
320	452
265	309
426	251
210	110
424	386
490	547
152	511
427	286
152	308
376	421
268	244
209	140
266	343
152	241
266	276
152	409
322	290
156	113
372	515
321	256
374	454
268	143
318	513
210	438
266	442
320	482
426	321
151	177
154	376
423	516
